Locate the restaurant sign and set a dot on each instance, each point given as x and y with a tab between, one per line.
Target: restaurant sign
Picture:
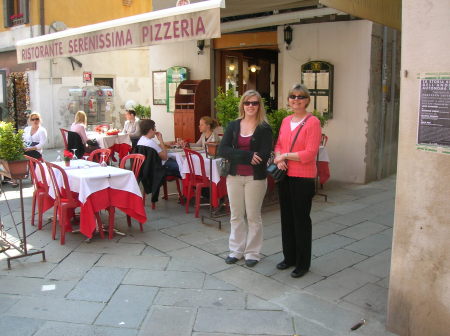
147	29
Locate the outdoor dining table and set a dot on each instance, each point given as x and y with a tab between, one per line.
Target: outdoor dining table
218	186
99	188
118	143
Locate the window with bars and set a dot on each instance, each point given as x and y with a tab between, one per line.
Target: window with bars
16	12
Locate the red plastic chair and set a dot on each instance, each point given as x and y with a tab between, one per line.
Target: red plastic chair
136	163
64	134
64	203
195	181
171	178
96	155
40	188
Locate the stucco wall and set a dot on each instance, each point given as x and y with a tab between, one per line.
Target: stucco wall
180	54
347	45
419	289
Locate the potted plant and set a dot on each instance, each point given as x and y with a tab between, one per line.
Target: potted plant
142	112
227	106
12	161
68	155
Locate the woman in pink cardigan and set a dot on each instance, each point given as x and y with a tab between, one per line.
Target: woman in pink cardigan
297	189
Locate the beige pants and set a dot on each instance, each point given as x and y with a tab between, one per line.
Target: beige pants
246	196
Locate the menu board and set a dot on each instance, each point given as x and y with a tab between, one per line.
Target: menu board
434	114
175	75
159	88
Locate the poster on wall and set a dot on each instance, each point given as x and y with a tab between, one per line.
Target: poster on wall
433	131
175	75
159	88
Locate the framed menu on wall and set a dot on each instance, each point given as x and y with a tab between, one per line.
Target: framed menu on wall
175	75
159	87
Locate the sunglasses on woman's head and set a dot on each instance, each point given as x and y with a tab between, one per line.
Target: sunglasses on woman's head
297	97
34	119
253	103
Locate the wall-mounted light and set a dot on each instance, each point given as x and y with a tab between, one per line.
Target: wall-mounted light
231	67
200	46
288	36
254	68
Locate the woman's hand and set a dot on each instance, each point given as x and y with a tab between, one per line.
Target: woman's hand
279	158
256	160
282	165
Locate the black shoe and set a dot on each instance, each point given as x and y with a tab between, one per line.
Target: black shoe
297	273
250	262
231	260
283	265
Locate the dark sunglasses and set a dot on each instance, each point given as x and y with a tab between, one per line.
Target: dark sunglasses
297	97
253	103
34	119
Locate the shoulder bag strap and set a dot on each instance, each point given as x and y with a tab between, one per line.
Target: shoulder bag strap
300	128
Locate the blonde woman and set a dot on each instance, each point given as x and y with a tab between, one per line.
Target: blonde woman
247	143
207	126
34	136
79	126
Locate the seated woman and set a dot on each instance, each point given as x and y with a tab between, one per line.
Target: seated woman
79	126
131	125
207	126
34	136
148	131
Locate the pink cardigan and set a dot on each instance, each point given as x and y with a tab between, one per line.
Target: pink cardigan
306	146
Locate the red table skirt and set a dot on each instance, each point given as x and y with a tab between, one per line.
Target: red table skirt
323	170
125	201
122	149
218	191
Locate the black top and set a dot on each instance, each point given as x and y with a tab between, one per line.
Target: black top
260	143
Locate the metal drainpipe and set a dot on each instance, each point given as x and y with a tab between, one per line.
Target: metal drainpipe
42	16
383	104
29	19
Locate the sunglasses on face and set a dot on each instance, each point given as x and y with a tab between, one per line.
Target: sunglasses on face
298	97
34	119
253	103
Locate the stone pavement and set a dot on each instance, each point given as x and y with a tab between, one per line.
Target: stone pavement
172	279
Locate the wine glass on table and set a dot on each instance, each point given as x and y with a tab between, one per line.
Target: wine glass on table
58	158
74	154
103	162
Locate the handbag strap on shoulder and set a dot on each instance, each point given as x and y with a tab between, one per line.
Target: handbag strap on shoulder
299	129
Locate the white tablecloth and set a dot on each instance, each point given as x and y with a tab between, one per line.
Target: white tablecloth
106	141
323	154
184	167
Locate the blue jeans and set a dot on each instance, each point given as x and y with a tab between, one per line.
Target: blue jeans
171	167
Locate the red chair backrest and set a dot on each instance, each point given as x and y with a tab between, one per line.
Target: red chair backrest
190	154
96	155
68	197
324	140
137	161
64	134
34	164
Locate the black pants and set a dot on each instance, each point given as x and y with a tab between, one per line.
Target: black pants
295	194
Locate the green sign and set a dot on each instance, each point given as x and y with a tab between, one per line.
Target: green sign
175	75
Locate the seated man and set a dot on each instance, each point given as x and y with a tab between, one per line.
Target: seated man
148	131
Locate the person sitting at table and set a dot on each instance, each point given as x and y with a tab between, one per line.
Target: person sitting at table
207	125
79	126
34	136
131	125
148	131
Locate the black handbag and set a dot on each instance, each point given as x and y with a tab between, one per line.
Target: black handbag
224	167
273	170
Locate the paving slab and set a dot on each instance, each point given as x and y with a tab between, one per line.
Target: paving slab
377	265
140	261
52	328
180	265
246	279
256	303
162	242
316	310
212	282
308	328
328	244
75	266
128	307
57	309
19	326
325	228
334	262
297	283
199	259
271	246
237	321
24	286
170	279
29	268
346	207
98	284
168	321
111	247
371	297
341	284
371	245
216	247
362	230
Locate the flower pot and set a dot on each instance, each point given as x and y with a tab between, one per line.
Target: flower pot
67	163
14	169
211	148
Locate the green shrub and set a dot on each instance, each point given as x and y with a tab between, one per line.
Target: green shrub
227	106
322	118
142	111
275	118
11	142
